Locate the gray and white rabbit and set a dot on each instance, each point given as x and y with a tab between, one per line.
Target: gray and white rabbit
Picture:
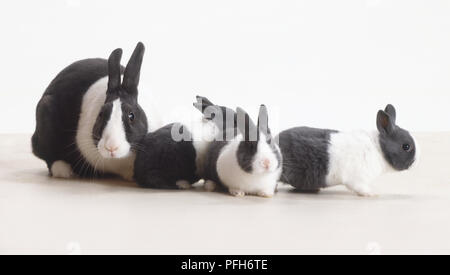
249	163
319	158
89	120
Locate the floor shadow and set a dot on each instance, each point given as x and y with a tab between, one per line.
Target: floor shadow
116	184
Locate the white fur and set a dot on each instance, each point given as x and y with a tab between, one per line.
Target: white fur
264	154
61	169
203	132
183	184
210	186
260	182
114	134
356	160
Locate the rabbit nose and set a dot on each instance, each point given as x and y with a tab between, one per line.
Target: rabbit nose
266	163
111	148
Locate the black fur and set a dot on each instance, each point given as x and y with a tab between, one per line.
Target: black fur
249	145
246	153
305	157
161	161
263	127
58	111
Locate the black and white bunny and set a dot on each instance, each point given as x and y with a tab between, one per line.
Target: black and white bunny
249	163
319	158
173	157
167	159
89	120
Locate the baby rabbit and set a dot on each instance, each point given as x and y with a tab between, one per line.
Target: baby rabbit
249	163
173	157
164	161
89	120
318	158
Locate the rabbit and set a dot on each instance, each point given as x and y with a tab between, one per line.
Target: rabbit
89	120
319	158
173	157
164	161
250	163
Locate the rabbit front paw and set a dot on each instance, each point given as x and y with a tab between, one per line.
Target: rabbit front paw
183	184
61	169
210	186
237	193
362	190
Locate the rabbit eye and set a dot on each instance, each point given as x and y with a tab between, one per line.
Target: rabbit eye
406	147
131	116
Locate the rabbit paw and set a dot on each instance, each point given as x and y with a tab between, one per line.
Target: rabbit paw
362	190
265	194
369	194
237	193
183	184
61	169
210	186
129	176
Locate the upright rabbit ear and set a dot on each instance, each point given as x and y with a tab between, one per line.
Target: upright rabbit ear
390	109
263	121
133	69
204	100
202	103
385	123
114	70
246	126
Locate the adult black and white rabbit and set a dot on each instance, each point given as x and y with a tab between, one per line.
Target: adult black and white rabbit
89	120
249	162
319	158
173	157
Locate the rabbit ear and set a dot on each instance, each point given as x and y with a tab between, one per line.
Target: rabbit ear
385	123
263	121
209	111
390	109
114	70
204	100
246	126
203	103
133	69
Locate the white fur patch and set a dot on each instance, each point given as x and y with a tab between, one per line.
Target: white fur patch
203	132
183	184
210	186
237	192
61	169
356	160
265	159
92	103
113	143
237	180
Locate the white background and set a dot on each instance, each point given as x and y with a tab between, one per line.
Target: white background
323	63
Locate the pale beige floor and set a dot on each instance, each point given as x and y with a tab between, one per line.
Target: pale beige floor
43	215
